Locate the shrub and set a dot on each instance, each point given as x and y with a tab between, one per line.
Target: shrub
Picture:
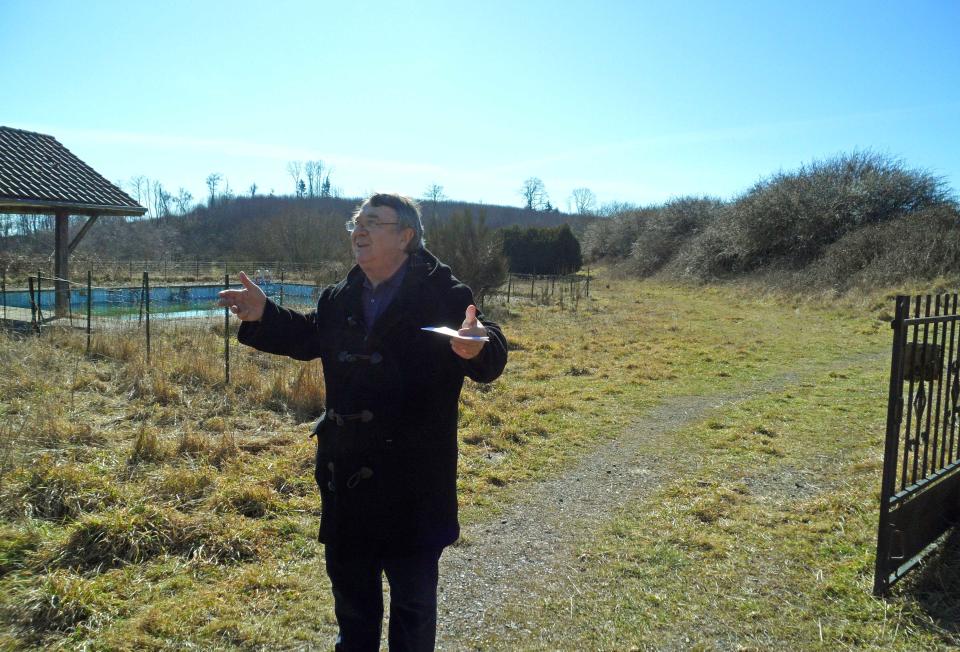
471	249
612	238
542	250
788	219
666	228
914	247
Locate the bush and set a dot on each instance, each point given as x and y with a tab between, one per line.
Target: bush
667	228
612	238
915	247
788	219
542	251
471	249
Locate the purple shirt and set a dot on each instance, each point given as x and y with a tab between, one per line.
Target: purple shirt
376	300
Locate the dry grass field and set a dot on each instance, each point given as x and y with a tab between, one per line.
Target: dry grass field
151	507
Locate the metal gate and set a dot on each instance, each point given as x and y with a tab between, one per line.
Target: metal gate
920	494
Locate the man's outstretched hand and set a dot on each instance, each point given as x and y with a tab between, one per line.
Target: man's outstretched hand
469	349
248	303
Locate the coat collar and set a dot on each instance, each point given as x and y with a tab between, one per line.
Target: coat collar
420	266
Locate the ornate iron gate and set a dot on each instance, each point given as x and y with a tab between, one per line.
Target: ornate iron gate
920	494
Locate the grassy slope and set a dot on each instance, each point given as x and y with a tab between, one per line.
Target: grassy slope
227	475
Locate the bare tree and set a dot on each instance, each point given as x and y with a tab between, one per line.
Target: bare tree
534	194
212	182
294	168
137	184
314	172
584	201
253	189
182	200
434	195
161	201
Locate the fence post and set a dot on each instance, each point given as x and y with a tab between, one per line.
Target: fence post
509	286
281	287
33	308
146	303
39	299
226	334
89	305
533	278
588	280
4	294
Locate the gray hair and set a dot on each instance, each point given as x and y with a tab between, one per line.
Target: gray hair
408	214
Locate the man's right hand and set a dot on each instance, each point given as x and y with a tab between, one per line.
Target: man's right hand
248	303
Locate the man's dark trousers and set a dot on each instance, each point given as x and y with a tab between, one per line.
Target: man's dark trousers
358	598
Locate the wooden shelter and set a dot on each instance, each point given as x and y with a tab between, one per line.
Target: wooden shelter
38	175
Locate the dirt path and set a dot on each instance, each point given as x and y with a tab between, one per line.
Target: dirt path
536	535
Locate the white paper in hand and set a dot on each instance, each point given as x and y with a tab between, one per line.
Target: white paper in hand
449	332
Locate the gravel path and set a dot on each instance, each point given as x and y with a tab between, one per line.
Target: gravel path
536	534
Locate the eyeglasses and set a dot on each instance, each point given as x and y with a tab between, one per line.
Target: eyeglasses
371	224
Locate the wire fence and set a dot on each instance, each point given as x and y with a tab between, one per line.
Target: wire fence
165	324
565	291
168	270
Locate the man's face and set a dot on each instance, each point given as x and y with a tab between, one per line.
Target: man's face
383	245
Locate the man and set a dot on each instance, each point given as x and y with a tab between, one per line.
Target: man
387	445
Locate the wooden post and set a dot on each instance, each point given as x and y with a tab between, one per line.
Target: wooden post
146	303
226	334
61	264
533	278
509	286
588	280
4	294
89	305
33	308
281	287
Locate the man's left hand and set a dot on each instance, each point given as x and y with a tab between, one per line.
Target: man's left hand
469	349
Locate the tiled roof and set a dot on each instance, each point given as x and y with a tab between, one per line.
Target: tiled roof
36	170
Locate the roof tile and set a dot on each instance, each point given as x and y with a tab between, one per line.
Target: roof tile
36	167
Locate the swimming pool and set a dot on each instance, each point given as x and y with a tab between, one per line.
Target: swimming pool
166	301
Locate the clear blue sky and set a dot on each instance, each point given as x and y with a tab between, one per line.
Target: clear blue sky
638	101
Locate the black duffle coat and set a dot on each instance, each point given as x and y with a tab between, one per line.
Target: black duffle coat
386	459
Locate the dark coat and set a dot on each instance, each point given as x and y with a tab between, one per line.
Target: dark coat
387	444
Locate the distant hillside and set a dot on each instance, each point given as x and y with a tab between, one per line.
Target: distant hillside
254	228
